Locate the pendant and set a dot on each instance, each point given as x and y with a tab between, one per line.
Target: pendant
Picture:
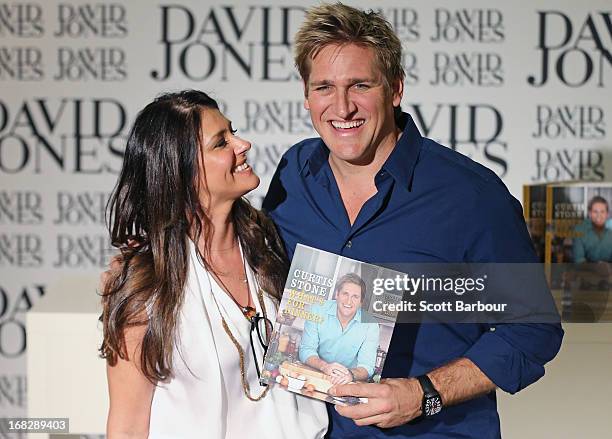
248	311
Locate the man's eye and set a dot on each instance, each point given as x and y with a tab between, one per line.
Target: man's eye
362	86
322	88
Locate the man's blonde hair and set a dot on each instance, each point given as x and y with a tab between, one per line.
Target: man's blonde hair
339	24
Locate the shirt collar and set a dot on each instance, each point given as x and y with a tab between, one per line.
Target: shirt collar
403	158
317	158
400	164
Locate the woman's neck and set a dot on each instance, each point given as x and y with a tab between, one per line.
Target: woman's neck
223	237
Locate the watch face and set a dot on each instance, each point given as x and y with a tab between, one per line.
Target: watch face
433	405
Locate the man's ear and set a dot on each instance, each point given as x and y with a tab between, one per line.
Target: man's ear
306	104
397	91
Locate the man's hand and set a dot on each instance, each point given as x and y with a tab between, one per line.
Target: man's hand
393	402
338	374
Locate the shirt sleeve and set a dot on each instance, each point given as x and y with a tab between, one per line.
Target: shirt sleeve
275	204
578	250
310	341
276	192
512	355
366	357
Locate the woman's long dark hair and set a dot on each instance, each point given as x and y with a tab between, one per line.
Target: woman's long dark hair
153	210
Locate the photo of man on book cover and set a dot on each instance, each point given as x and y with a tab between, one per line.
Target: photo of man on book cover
341	345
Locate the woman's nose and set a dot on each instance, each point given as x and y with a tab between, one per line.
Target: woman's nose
241	145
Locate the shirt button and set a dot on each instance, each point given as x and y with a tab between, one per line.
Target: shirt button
349	244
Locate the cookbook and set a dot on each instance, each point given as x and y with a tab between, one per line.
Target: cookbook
534	210
573	210
334	325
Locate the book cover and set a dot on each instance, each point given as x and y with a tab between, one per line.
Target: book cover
579	249
534	211
334	325
576	212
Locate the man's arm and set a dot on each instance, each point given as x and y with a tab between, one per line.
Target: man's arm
509	356
578	250
366	357
396	401
309	345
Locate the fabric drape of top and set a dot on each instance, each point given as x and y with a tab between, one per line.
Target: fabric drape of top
205	397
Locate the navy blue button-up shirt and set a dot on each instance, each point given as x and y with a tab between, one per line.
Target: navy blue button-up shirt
432	205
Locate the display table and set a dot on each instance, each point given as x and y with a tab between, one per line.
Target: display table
66	376
572	400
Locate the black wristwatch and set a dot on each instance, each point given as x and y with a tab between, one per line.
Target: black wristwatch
432	402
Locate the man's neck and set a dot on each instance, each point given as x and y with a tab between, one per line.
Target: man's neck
343	322
356	181
599	230
365	172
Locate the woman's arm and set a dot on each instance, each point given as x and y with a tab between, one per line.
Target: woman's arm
130	392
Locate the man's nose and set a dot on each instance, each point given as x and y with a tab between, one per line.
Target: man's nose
344	104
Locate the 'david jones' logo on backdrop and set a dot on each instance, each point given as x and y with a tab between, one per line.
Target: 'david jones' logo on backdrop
554	164
574	50
230	42
21	62
405	23
21	20
73	135
472	129
97	20
561	131
25	62
14	303
227	42
468	67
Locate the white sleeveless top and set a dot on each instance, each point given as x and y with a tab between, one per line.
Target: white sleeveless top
205	398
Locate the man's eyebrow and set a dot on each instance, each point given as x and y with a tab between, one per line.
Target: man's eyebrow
349	80
321	82
358	80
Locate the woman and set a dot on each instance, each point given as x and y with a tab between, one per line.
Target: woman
198	262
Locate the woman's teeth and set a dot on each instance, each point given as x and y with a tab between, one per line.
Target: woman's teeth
242	167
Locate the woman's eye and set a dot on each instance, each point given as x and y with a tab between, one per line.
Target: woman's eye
222	143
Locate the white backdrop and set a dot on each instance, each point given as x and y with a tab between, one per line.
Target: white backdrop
522	87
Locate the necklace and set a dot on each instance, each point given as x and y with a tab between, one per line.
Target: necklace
249	314
245	384
238	277
247	311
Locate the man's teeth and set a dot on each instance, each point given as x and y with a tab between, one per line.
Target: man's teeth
242	167
347	125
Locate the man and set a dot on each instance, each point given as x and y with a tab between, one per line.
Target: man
371	188
594	240
342	346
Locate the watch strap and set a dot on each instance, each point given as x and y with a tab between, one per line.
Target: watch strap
427	386
432	401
